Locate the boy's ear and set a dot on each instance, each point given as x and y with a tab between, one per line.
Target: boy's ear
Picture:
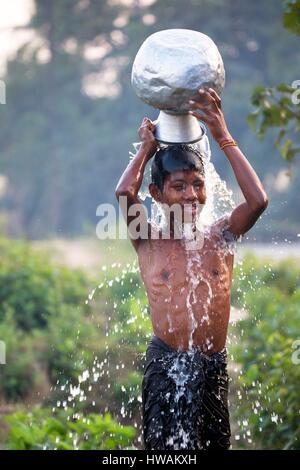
155	192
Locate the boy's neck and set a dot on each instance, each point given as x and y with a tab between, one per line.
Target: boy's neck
177	230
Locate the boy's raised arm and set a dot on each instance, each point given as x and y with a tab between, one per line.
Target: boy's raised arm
244	216
131	180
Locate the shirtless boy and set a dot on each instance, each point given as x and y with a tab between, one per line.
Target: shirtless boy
185	383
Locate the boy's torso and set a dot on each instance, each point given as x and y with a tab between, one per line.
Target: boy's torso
188	290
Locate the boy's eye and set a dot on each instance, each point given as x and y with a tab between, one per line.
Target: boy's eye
178	188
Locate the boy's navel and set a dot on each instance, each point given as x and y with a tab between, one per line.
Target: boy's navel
165	275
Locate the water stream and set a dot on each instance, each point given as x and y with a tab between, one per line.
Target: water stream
219	203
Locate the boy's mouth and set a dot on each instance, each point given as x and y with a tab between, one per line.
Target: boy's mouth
191	209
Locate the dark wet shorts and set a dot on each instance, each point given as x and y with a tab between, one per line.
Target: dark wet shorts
185	399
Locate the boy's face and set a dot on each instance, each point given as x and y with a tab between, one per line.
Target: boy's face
186	188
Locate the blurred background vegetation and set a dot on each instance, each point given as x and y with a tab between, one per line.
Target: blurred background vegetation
75	354
71	115
73	311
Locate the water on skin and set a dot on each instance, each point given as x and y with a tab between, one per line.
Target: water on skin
216	191
219	202
180	438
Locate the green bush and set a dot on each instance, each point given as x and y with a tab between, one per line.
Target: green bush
62	351
130	323
44	320
72	341
269	379
251	274
43	430
45	324
33	288
19	375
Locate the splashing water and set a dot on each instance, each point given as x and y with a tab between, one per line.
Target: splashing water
219	197
219	202
107	368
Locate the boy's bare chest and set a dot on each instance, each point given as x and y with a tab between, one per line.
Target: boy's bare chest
167	262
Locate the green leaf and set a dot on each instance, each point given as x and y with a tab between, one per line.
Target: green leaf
283	88
291	17
252	119
280	137
285	148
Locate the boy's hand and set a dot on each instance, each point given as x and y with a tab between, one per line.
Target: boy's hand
146	133
209	104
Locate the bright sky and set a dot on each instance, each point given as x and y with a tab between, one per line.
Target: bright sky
18	13
13	13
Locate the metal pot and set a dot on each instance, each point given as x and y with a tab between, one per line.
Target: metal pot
168	70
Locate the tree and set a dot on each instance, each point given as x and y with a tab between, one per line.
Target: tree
279	106
55	137
63	147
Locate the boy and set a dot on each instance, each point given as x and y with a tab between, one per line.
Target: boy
185	383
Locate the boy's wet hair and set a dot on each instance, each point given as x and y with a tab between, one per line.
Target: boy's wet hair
174	158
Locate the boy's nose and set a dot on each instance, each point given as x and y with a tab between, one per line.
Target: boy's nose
190	194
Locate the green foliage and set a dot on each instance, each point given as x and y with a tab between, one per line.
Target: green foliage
43	320
269	377
126	307
77	333
71	148
117	331
291	17
275	108
73	340
279	106
19	375
128	390
33	288
128	329
131	325
251	274
41	429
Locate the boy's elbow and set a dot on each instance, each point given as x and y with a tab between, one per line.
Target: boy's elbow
265	201
119	191
262	203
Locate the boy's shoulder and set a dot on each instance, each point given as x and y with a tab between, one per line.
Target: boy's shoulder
220	230
218	226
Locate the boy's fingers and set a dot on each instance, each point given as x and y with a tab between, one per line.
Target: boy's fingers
196	104
149	126
208	96
215	95
204	92
204	99
148	123
202	106
147	120
198	116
